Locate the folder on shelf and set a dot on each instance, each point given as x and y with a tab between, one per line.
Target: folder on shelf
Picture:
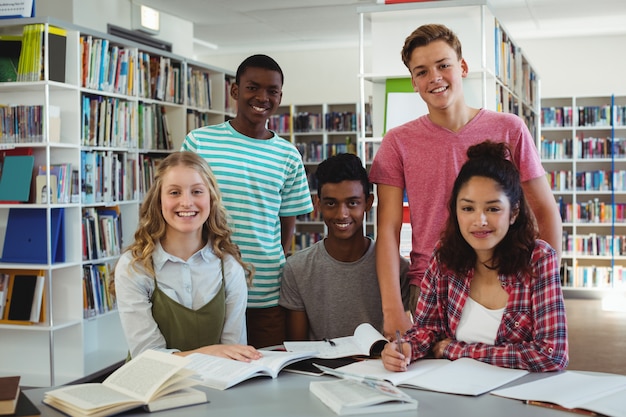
17	173
21	298
57	41
25	239
25	303
10	45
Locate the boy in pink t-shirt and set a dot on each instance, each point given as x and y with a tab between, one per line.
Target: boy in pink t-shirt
424	156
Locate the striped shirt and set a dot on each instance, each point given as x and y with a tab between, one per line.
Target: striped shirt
532	334
260	180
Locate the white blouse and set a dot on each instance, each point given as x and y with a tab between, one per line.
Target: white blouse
478	324
192	283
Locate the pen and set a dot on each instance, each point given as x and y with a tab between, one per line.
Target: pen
330	342
558	407
399	342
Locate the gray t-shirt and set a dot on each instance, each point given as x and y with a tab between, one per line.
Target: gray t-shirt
337	296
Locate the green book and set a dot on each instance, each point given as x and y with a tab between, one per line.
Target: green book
17	173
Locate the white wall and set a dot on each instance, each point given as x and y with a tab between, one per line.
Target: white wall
593	66
567	66
311	76
96	14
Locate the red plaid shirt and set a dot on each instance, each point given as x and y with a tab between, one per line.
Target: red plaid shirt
533	331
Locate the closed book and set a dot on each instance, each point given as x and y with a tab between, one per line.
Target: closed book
25	407
9	393
348	396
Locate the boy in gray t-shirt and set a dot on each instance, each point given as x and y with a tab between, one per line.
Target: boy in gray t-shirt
331	287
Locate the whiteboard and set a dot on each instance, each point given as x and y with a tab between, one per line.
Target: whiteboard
403	107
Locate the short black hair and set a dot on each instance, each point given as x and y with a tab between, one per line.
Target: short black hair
342	167
259	61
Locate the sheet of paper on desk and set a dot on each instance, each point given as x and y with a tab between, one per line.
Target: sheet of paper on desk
366	341
602	393
463	376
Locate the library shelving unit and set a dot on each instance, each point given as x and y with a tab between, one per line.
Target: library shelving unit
500	77
318	131
90	114
583	149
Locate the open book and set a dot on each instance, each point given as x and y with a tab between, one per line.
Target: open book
222	373
149	378
604	394
366	341
463	376
349	396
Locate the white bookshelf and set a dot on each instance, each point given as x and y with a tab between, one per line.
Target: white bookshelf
66	346
318	131
583	149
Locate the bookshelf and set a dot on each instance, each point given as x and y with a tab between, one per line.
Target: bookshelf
500	78
111	133
583	149
318	131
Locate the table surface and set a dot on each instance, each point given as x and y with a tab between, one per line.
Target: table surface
289	396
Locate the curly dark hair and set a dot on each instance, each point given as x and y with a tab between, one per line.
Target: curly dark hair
259	61
512	255
342	167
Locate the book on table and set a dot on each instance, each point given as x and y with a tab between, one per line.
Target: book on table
349	396
366	341
222	373
25	407
574	391
9	394
155	380
463	376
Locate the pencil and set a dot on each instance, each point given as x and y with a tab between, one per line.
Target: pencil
399	341
558	407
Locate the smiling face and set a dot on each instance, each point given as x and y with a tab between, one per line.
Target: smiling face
258	95
484	215
437	74
343	206
185	201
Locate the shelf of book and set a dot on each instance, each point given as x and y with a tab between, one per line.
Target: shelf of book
318	131
583	149
106	111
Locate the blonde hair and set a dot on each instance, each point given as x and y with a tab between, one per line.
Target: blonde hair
152	225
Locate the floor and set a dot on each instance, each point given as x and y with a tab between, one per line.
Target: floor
597	338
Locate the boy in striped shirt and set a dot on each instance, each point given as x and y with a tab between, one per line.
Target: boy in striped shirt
264	187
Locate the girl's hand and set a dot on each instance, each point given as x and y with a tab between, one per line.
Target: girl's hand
243	353
439	348
393	359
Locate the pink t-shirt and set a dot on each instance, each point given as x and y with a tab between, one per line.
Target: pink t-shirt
425	158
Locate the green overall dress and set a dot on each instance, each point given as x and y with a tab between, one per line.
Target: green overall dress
186	329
